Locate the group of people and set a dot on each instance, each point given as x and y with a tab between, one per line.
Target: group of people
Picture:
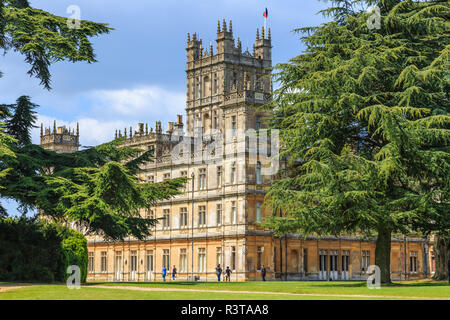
219	270
227	273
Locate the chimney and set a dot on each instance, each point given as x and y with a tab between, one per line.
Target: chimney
170	129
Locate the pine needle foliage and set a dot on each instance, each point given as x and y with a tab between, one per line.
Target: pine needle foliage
96	188
44	38
364	122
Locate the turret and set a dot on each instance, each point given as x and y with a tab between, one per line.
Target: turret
263	46
225	40
60	140
193	48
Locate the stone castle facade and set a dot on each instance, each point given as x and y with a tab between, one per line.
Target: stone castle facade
215	220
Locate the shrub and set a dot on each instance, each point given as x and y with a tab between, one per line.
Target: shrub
35	251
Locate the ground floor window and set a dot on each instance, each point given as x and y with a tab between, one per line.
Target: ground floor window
91	262
183	260
333	260
219	255
133	261
365	260
323	260
345	260
150	265
413	262
233	258
201	259
305	260
103	262
259	258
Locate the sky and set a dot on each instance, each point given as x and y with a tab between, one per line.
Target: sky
140	73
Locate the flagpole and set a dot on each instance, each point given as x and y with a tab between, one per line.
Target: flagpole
265	23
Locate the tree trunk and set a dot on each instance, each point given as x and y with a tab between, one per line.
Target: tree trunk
442	254
383	253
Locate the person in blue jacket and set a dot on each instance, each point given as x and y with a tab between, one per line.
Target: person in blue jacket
164	273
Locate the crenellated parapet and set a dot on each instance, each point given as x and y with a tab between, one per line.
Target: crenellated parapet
60	139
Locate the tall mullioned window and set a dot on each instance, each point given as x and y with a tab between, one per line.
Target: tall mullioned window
218	214
365	260
133	260
258	173
183	260
215	87
201	260
166	219
233	126
150	261
233	212
413	262
183	217
103	262
258	212
202	179
233	173
166	258
259	258
219	176
233	258
201	215
91	262
258	123
219	255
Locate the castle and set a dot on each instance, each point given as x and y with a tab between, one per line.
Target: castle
215	220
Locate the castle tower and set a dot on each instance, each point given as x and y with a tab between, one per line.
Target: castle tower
229	81
60	139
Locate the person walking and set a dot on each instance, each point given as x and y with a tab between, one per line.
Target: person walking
174	273
164	273
263	273
228	273
218	272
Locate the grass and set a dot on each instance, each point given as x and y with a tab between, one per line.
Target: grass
420	288
316	289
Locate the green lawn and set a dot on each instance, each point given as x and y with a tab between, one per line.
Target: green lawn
405	288
399	290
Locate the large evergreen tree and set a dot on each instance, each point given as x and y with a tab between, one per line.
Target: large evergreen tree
363	115
97	187
22	120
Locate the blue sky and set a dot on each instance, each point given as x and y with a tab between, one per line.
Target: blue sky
140	76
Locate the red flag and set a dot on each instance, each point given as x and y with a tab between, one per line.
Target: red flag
266	13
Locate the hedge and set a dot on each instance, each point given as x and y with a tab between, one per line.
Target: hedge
36	251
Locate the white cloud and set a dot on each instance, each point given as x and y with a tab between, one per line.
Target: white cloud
92	131
139	103
104	111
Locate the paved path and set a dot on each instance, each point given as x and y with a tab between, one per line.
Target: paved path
266	292
12	286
